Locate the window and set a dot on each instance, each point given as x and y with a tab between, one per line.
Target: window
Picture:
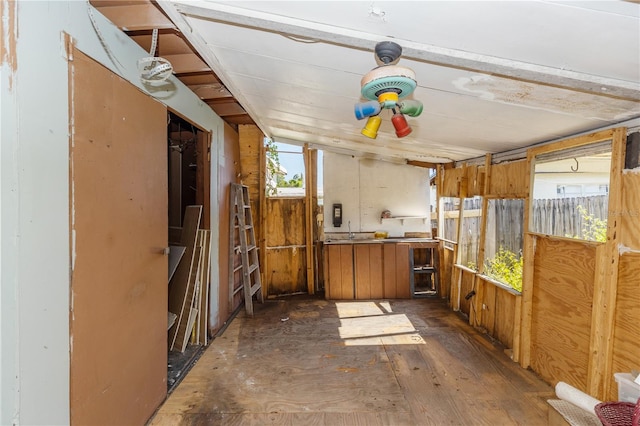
449	228
571	192
503	241
470	233
582	190
285	170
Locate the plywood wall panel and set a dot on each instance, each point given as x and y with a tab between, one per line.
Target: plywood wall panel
509	179
466	285
286	271
489	306
118	371
446	263
452	179
626	355
251	140
561	317
475	180
499	315
630	214
285	222
505	309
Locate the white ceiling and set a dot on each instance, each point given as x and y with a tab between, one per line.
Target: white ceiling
493	76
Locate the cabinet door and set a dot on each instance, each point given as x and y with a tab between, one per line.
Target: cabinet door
339	283
396	271
368	271
389	271
403	287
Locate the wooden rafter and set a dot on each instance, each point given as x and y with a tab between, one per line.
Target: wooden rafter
138	18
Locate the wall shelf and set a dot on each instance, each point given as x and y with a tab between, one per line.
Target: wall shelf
403	218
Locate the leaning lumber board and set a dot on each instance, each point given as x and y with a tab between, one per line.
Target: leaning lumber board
193	314
203	335
171	319
197	300
175	254
180	281
182	334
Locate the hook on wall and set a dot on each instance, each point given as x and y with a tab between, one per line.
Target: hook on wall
577	165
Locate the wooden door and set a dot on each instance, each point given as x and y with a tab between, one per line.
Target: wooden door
118	205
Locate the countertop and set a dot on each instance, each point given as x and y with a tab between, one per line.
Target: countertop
379	240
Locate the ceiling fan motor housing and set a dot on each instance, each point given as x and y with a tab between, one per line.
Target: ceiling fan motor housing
388	79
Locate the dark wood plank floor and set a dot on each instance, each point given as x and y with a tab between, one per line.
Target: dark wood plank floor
309	361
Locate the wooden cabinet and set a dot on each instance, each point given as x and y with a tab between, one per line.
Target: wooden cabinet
367	271
396	271
339	277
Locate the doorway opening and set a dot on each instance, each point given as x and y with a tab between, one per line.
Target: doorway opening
189	177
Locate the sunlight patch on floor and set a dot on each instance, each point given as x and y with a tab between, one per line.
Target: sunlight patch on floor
362	309
373	323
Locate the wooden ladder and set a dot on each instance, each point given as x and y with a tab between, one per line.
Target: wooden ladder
242	240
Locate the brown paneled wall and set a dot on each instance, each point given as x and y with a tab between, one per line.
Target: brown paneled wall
228	171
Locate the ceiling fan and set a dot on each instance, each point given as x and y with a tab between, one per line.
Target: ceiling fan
386	86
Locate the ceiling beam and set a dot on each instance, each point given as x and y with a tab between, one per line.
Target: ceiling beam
400	153
428	165
136	17
437	55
